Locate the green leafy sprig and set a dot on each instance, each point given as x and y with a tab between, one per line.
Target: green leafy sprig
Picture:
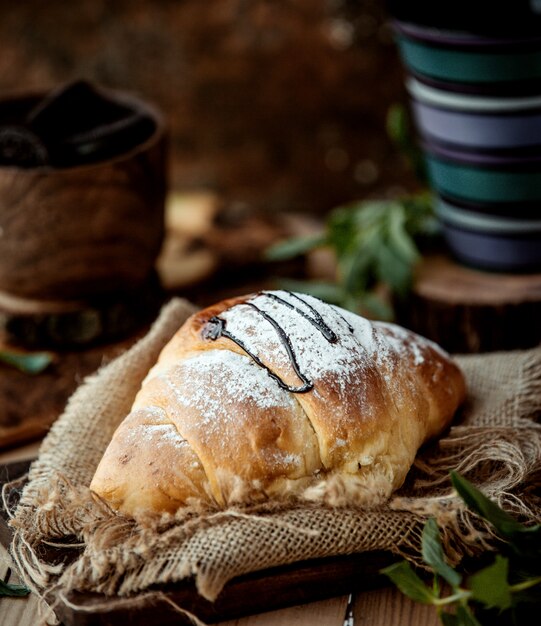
400	131
500	593
13	591
374	243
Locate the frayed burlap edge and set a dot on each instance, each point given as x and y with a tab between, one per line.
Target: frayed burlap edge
495	442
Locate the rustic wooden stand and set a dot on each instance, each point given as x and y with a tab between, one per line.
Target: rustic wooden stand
467	310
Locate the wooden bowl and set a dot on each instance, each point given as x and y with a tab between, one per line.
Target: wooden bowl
90	230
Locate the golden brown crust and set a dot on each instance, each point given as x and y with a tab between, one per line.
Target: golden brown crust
362	398
257	439
159	468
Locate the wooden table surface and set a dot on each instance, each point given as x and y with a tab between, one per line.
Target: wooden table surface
382	607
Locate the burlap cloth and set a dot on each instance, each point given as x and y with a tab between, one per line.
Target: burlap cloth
495	442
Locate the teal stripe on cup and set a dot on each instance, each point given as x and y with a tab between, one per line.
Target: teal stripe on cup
467	66
472	182
488	224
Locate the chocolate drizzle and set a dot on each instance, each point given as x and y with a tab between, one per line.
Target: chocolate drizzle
315	318
216	328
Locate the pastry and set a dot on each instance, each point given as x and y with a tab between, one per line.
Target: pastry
272	395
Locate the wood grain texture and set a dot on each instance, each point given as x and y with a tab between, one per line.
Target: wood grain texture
16	611
467	310
388	607
251	594
26	611
325	613
76	231
382	607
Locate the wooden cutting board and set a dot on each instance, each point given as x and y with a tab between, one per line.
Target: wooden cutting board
279	587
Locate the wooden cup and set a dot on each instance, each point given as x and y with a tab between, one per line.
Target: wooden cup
75	233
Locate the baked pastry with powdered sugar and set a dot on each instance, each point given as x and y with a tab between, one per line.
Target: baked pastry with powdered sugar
278	394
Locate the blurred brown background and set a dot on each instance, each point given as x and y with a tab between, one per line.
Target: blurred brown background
278	105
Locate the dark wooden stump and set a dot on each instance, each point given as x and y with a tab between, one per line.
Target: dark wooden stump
467	310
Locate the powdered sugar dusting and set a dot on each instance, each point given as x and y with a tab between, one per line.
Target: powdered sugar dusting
156	434
228	371
223	382
163	434
317	357
403	341
360	343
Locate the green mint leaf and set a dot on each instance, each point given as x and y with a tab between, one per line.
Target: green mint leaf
14	591
490	585
397	123
291	248
400	131
374	243
32	363
506	525
342	229
354	271
420	215
399	238
393	270
409	582
465	617
433	555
